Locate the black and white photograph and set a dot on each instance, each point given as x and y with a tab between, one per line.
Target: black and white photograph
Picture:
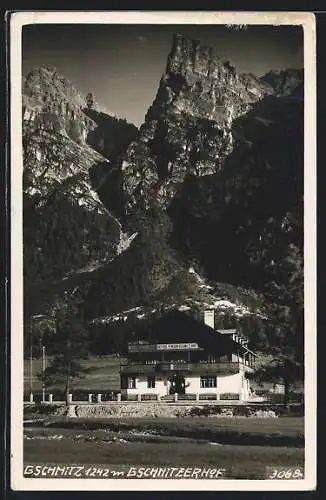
163	251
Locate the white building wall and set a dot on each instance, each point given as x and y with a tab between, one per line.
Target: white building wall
193	386
235	383
227	383
141	387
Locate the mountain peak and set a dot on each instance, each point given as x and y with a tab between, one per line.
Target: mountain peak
189	55
284	81
183	189
44	84
51	101
187	130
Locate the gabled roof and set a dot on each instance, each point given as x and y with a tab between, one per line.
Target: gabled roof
178	326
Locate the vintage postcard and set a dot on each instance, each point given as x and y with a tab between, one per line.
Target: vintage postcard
163	222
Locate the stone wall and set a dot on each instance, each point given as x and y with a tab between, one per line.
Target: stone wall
153	410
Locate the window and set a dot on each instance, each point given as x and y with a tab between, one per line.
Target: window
124	382
131	382
151	382
128	382
206	382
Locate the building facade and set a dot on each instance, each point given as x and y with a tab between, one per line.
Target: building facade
188	357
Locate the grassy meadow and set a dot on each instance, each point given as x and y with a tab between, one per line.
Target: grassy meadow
103	374
168	442
243	446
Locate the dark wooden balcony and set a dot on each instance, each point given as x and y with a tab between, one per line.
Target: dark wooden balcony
220	368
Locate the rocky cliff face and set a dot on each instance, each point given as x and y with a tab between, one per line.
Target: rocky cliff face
284	82
50	101
210	181
215	145
188	128
66	226
240	222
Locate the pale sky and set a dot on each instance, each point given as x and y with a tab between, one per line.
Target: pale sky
122	64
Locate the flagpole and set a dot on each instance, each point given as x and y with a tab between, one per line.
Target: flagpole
43	370
31	362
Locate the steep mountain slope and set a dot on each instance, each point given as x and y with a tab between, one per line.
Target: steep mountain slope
51	101
187	130
195	209
211	197
65	222
284	82
243	225
45	89
66	226
225	220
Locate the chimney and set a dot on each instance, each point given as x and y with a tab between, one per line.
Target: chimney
209	318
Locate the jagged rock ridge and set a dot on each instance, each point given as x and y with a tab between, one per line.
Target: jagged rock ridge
66	225
52	102
188	128
284	82
187	173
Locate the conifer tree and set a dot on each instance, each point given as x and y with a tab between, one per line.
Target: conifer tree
70	344
284	333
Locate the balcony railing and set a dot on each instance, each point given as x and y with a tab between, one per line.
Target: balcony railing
222	367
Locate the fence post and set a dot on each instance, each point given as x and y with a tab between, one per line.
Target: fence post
175	397
31	398
69	398
197	396
50	398
159	397
218	396
119	397
139	397
90	398
99	398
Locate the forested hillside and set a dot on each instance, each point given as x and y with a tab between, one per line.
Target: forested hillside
201	207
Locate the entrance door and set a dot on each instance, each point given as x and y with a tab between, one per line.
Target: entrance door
178	385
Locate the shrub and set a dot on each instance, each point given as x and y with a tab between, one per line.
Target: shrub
203	411
242	411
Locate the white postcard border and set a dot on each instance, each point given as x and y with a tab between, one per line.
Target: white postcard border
17	21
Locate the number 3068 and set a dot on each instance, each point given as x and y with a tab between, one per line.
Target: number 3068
285	473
